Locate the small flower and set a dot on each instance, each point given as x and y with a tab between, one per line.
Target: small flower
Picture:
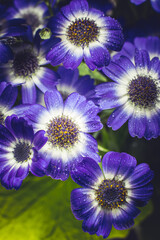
8	95
112	196
26	69
67	126
32	11
151	44
135	93
19	152
155	4
84	33
70	82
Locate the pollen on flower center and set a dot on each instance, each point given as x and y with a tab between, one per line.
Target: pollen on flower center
25	63
22	151
62	132
82	31
111	194
143	92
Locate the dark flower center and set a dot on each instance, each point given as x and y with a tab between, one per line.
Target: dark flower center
25	63
111	194
62	132
22	151
31	19
143	92
82	31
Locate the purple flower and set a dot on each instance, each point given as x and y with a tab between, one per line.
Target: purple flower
66	126
27	69
69	82
32	11
135	93
19	152
151	44
85	33
110	197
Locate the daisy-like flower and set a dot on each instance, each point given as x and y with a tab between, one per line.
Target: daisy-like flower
8	95
85	33
110	197
69	82
19	152
32	11
135	93
151	44
66	126
155	3
27	69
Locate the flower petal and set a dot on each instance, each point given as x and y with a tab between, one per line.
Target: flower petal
54	102
87	173
100	55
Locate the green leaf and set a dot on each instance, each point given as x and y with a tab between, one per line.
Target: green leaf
40	210
84	70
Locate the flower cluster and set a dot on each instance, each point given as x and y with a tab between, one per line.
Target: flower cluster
51	108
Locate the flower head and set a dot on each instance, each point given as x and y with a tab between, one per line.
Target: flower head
84	33
151	44
135	93
66	126
31	10
26	69
70	82
19	152
112	196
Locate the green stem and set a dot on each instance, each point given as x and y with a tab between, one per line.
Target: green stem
103	149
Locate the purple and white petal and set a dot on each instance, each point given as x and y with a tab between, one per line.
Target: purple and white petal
82	202
54	102
119	116
29	92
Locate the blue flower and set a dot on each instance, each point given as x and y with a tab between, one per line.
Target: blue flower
135	93
67	126
151	44
70	82
31	10
27	69
155	3
19	152
112	196
84	33
8	95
